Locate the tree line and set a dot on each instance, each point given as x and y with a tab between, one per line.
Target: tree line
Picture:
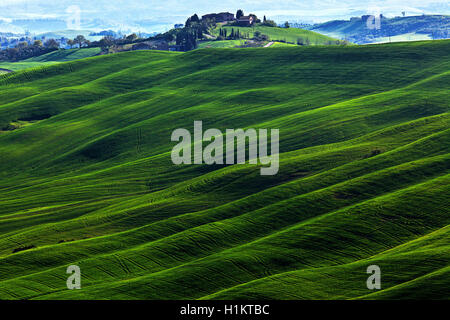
23	50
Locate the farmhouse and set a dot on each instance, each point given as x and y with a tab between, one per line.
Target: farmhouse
245	20
219	17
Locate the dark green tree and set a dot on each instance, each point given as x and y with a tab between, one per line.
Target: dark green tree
195	18
187	39
51	44
80	40
188	23
132	37
106	42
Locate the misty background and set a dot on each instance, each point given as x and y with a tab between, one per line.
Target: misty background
159	16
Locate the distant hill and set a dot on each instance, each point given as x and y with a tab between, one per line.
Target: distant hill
402	28
289	35
70	34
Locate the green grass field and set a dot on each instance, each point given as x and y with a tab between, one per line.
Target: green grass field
51	58
236	43
220	44
283	34
282	44
86	176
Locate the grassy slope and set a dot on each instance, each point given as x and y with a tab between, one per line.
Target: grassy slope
289	35
405	27
236	43
220	44
51	58
363	175
282	44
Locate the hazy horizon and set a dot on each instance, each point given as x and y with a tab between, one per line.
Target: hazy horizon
159	16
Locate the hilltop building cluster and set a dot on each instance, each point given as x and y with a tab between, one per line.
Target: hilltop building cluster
226	17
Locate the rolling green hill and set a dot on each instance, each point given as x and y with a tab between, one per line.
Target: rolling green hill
86	176
280	34
51	58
